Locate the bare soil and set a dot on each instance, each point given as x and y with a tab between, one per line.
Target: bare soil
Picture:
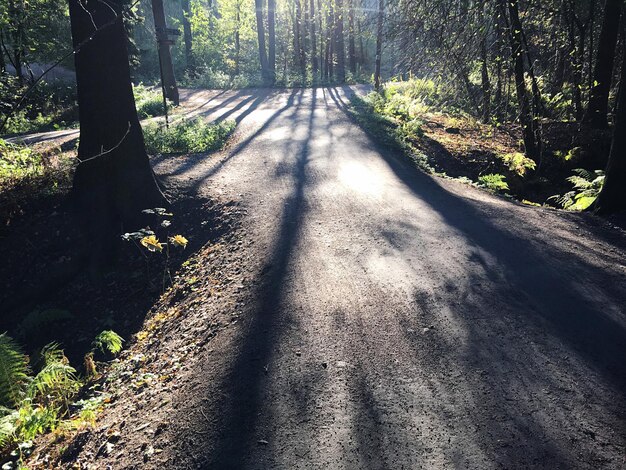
356	313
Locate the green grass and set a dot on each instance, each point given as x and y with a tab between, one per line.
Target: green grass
187	136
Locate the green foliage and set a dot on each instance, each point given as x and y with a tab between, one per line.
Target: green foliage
108	341
14	372
587	187
148	100
494	182
18	161
518	163
187	136
47	106
32	405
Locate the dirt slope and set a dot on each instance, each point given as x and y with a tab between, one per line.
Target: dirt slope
377	318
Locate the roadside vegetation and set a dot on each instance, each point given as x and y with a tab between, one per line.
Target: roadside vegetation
425	120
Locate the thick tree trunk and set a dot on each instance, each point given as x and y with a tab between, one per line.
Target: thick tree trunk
113	182
314	66
260	29
187	36
339	41
271	32
613	195
527	120
379	43
165	56
596	115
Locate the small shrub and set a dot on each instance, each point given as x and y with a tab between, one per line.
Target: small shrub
149	101
187	136
494	182
518	163
587	187
108	341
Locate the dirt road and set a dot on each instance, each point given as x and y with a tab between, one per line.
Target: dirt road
395	320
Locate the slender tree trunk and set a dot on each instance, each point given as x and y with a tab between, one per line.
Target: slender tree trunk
16	18
527	120
339	41
297	39
187	36
379	42
165	56
612	198
260	29
328	73
271	31
596	115
485	83
237	38
351	41
113	182
314	66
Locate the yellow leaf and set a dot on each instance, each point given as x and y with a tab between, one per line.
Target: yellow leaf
179	240
152	243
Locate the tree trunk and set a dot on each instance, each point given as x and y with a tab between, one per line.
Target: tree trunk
113	182
187	36
596	115
351	41
527	120
271	31
379	43
16	17
165	56
313	40
237	38
260	29
339	41
485	83
612	198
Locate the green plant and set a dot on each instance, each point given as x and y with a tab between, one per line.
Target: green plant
108	340
494	182
587	187
518	163
187	136
14	372
33	404
149	101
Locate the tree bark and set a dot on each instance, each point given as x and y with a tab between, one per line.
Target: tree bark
314	66
351	41
187	36
339	41
271	32
113	182
165	56
527	120
596	115
612	198
379	43
260	29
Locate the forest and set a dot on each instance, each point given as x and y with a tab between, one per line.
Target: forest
312	233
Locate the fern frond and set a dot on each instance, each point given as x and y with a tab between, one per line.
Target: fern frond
13	372
109	341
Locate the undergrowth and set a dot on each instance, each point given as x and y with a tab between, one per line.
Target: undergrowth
187	136
39	396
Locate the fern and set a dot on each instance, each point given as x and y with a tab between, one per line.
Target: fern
13	372
56	381
587	186
109	341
